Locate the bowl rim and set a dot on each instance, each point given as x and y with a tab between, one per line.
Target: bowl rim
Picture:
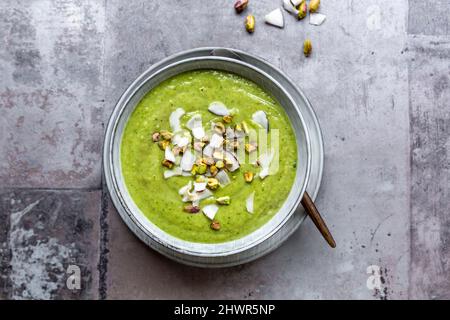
136	219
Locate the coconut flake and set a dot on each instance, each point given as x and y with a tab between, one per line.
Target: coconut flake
249	202
317	19
199	186
186	174
194	122
168	155
187	161
289	7
204	194
223	178
216	141
260	118
171	173
234	163
218	108
275	18
198	133
182	139
210	211
264	161
174	119
208	150
184	190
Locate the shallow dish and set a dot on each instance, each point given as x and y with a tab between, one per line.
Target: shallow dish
189	252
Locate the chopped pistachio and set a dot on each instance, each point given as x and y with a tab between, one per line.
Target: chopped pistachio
191	208
163	144
248	176
220	164
314	5
307	47
219	127
198	145
201	169
156	136
227	119
250	147
224	200
167	135
213	169
213	183
177	150
240	5
238	128
194	169
250	23
245	127
215	225
302	10
167	163
199	161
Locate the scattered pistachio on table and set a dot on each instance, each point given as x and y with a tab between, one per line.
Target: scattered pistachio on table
250	23
224	200
302	10
307	47
248	176
191	208
314	5
240	5
167	163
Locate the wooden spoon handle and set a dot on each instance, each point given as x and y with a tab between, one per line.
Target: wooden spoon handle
315	216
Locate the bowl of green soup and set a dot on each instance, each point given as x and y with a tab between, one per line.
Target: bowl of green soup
206	158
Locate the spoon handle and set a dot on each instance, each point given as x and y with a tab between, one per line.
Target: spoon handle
315	216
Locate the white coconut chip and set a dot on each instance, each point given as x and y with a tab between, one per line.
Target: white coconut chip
198	133
260	118
223	178
210	211
174	119
295	3
182	138
289	7
184	190
234	161
171	173
187	161
216	141
186	174
218	108
317	19
204	194
229	133
249	202
168	155
208	150
264	161
199	186
275	18
194	122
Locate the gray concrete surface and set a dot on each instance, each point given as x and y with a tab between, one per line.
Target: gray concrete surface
379	79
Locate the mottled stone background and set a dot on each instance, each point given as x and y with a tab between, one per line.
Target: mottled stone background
379	79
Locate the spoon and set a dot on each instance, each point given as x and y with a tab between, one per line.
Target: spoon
315	216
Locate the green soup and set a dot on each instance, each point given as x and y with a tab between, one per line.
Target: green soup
159	199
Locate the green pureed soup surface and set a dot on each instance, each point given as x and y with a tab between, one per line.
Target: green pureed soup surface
159	199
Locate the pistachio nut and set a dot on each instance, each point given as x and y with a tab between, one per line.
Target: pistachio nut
220	164
302	10
167	135
201	169
227	119
163	144
213	169
248	176
191	208
250	23
314	5
307	47
224	200
215	225
194	170
156	136
167	163
213	183
240	5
